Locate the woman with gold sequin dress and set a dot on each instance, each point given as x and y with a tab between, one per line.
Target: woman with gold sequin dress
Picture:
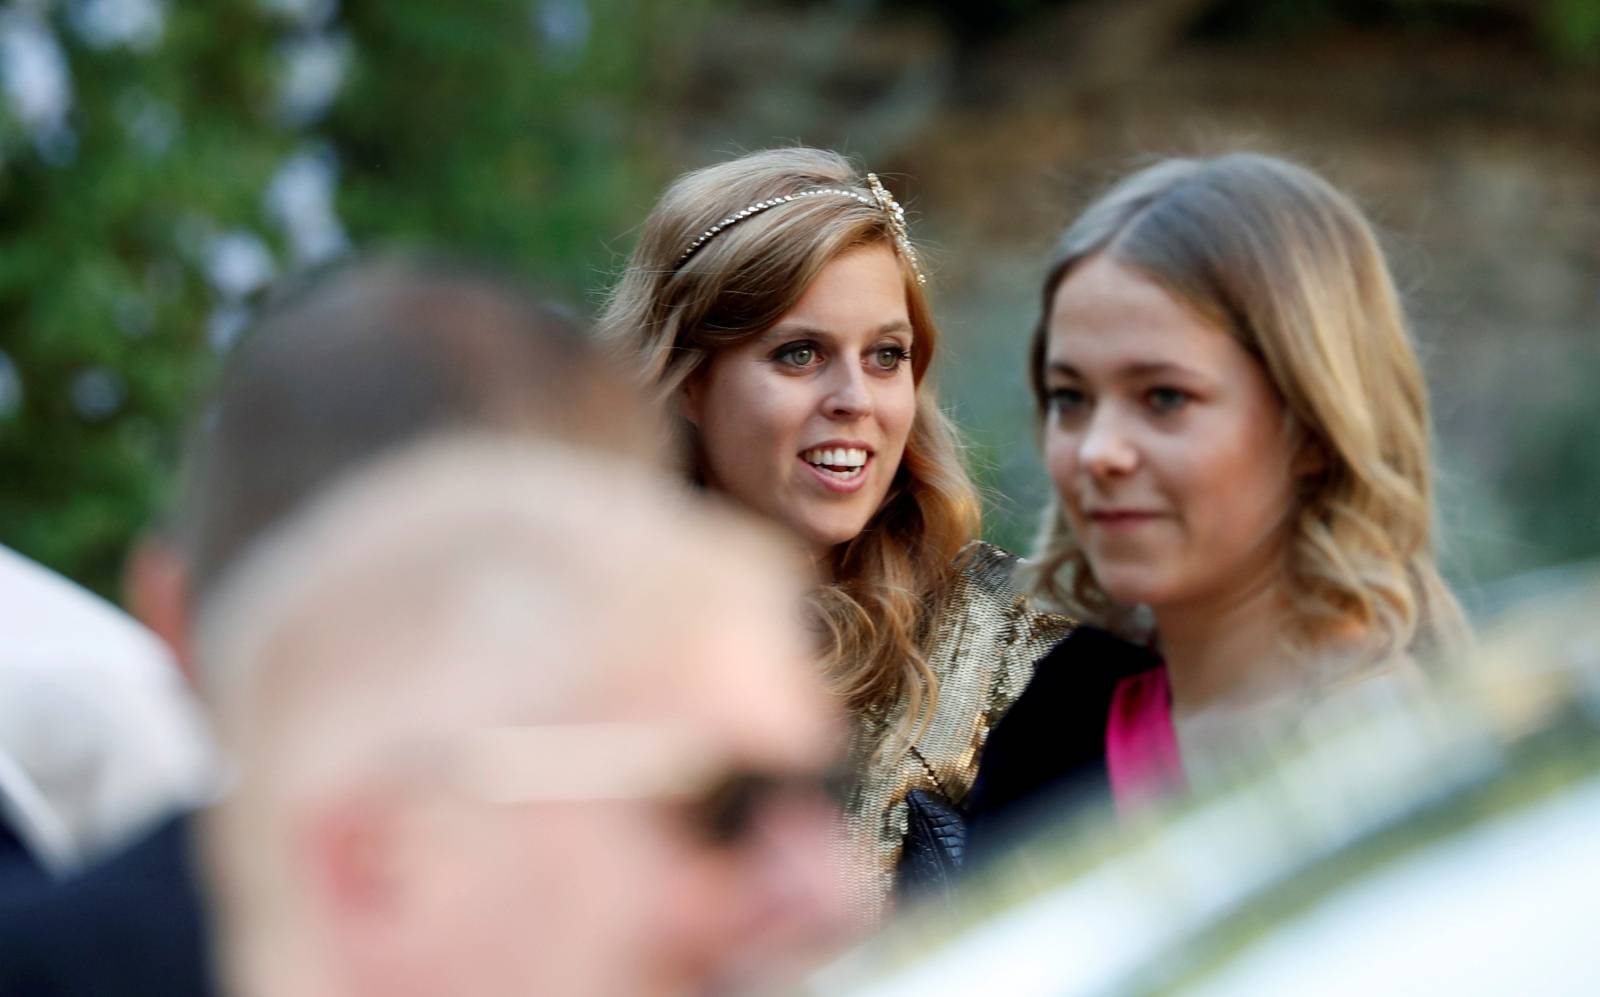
776	303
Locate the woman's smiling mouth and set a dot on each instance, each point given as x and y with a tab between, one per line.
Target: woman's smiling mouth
841	468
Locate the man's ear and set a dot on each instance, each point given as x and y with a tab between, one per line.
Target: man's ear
347	848
369	878
156	586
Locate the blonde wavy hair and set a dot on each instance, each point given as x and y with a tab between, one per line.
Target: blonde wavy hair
891	581
1286	264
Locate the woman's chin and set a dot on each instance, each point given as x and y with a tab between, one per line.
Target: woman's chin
825	535
1132	588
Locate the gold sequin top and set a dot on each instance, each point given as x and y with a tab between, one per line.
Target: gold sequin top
983	650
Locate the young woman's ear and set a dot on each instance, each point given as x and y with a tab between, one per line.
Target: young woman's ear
1310	459
689	401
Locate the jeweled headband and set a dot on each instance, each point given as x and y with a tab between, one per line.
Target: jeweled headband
880	198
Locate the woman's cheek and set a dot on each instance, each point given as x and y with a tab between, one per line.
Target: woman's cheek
1061	461
904	402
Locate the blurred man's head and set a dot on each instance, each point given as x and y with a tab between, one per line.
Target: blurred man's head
353	361
514	720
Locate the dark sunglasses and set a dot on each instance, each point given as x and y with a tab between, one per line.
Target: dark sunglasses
722	804
727	813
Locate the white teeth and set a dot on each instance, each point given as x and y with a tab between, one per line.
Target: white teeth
851	457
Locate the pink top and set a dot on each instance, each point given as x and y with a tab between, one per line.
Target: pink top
1141	746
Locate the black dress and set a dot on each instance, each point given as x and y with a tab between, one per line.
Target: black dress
1048	754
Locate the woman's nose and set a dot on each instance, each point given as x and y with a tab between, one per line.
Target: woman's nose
849	396
1107	449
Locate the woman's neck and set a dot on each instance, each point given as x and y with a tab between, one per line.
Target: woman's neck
1226	650
822	564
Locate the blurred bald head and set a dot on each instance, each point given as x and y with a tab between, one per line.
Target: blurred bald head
480	570
632	642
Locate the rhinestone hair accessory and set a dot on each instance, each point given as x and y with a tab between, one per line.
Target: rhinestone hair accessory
897	224
879	198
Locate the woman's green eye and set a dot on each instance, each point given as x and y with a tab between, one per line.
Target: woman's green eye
798	355
890	357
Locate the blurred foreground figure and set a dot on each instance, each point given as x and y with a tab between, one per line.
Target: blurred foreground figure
515	721
98	733
361	359
342	366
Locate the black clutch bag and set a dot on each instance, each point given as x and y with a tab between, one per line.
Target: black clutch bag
934	848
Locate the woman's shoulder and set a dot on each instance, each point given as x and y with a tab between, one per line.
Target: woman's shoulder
992	568
990	585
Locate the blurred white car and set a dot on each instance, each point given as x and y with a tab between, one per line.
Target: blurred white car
1447	846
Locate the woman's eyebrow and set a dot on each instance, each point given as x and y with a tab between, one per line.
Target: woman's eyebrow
1156	368
789	329
1135	370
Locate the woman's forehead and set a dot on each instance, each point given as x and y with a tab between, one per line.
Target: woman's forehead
1102	316
859	292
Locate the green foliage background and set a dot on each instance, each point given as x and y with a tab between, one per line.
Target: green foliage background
457	125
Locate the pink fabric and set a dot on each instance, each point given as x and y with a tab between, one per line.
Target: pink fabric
1141	746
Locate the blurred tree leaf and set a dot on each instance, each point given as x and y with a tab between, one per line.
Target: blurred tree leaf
496	127
1572	30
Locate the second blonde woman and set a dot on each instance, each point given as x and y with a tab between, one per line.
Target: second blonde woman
1236	423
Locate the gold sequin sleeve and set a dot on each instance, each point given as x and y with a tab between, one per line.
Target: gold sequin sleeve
983	650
